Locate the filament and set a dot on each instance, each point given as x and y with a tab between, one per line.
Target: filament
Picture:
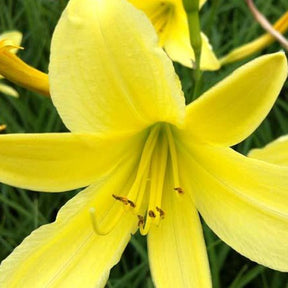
138	188
174	160
158	172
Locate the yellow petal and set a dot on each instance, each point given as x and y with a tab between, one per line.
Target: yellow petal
179	49
8	90
60	161
231	110
18	72
258	44
173	32
161	14
111	77
68	253
177	251
148	4
275	152
244	201
202	2
14	36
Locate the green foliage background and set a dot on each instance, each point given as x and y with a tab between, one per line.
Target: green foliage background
228	24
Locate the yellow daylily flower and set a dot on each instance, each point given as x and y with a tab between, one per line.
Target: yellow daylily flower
17	71
256	45
149	162
15	38
170	22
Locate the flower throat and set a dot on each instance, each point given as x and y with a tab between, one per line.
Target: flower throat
144	198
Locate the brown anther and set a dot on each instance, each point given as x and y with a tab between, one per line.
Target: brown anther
124	200
140	220
116	197
131	203
161	212
151	214
179	190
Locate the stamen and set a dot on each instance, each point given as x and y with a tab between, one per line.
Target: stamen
131	203
138	188
161	212
144	227
179	190
140	221
119	198
158	173
108	228
124	200
151	213
174	160
141	189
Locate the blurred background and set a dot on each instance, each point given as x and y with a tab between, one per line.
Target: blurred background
228	24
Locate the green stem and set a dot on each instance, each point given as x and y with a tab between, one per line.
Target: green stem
192	10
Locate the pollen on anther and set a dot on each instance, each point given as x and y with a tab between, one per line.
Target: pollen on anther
124	200
131	203
140	220
116	197
151	214
161	212
179	190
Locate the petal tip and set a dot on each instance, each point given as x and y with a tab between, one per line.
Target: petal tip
281	57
